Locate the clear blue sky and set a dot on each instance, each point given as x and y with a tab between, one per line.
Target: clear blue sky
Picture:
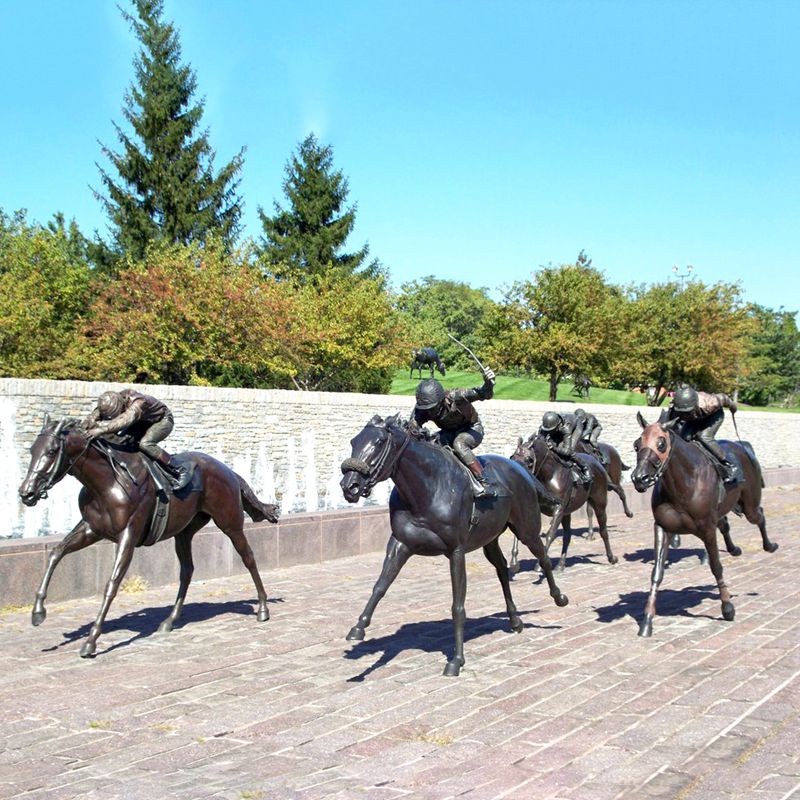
481	139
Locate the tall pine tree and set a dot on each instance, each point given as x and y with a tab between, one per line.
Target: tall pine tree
167	188
303	242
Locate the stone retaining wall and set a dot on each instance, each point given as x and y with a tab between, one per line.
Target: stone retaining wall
289	444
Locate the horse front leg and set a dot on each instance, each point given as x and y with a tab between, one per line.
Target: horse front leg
183	549
122	561
566	538
458	578
602	524
728	611
660	548
396	556
495	556
79	537
513	566
589	524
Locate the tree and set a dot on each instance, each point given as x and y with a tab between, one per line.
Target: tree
353	337
167	190
773	358
304	242
695	334
564	322
191	315
45	286
431	308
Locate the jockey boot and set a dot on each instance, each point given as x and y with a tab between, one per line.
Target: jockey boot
177	472
730	471
487	490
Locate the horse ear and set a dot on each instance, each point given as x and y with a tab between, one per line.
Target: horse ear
641	419
376	420
60	426
519	441
670	424
46	420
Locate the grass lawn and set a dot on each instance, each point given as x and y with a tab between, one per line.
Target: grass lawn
510	388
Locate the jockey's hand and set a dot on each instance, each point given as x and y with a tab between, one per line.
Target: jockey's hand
488	375
93	433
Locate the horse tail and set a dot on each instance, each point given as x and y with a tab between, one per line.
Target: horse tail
256	510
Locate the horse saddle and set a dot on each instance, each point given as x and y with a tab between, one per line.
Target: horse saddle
738	472
164	493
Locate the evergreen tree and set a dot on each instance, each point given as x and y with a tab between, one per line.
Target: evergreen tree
167	190
302	243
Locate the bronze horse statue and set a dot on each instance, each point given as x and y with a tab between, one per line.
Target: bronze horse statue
432	512
118	501
690	497
556	477
426	357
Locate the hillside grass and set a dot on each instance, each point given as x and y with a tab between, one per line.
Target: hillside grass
509	387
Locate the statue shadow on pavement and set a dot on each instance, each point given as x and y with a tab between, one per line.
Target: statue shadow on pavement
430	637
144	622
671	603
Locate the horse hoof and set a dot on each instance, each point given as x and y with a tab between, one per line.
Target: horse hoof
646	628
88	650
562	600
453	668
165	626
263	614
516	625
356	634
629	514
513	569
37	617
613	560
736	551
728	611
772	547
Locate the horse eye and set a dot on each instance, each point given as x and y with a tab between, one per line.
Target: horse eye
661	446
637	444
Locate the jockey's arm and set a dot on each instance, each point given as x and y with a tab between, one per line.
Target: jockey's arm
91	420
131	414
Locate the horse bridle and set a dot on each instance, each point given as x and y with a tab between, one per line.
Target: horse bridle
383	467
57	471
662	465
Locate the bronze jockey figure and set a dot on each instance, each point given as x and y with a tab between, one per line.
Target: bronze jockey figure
146	419
702	414
459	425
591	434
562	431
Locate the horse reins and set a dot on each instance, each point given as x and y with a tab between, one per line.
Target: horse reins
373	473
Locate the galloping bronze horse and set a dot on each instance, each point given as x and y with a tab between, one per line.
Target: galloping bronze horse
538	459
432	512
118	500
690	497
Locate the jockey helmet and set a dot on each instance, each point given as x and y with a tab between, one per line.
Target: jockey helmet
550	421
685	400
110	405
429	394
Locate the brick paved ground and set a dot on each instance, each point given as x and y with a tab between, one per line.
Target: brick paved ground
577	706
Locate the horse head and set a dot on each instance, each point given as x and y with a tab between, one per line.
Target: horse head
525	454
49	461
375	451
653	451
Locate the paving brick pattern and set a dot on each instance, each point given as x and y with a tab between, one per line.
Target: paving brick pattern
576	706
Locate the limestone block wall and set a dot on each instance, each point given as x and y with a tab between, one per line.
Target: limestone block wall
289	444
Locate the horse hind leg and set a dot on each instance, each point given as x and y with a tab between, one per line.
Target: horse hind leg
396	556
602	524
725	529
756	517
535	544
620	492
495	556
589	524
183	549
566	538
239	541
513	566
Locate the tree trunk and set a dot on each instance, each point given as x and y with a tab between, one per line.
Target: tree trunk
553	384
